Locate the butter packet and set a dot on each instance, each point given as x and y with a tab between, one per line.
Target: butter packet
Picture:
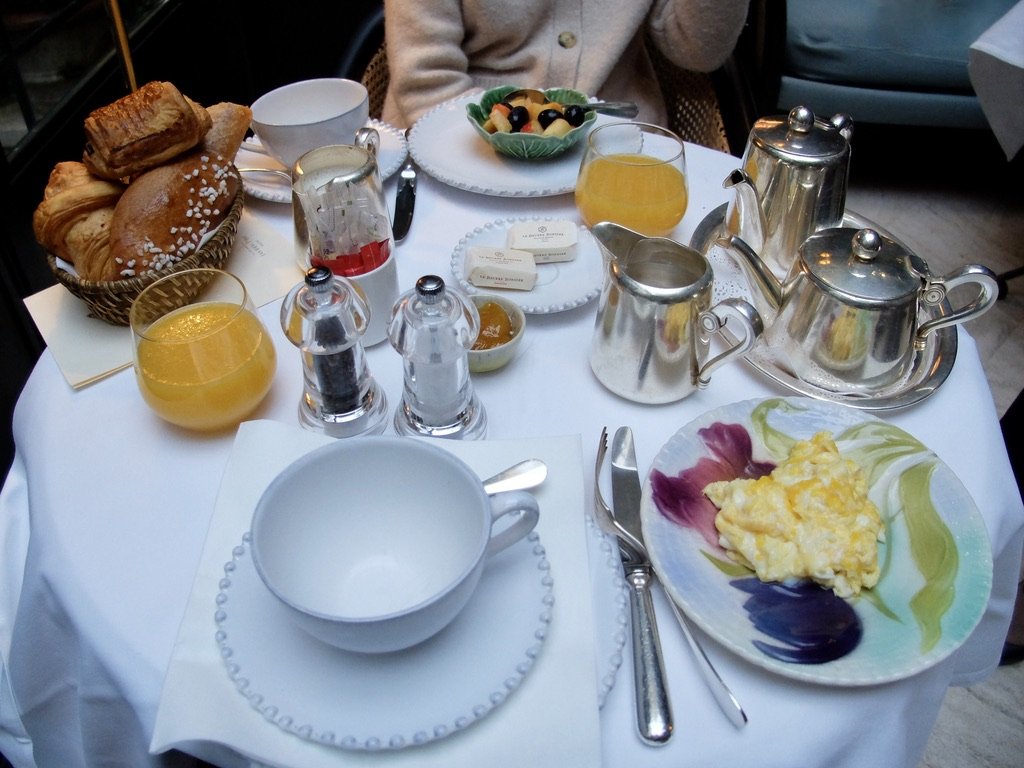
488	267
549	240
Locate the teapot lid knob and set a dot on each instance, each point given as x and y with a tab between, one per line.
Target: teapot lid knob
801	119
867	244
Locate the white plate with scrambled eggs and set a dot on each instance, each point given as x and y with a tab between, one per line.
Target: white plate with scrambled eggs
838	549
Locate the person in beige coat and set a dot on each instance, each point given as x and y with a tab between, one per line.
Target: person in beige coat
440	49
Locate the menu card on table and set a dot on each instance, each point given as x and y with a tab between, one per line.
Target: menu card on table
88	349
550	718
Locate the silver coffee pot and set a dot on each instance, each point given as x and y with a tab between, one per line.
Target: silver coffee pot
792	182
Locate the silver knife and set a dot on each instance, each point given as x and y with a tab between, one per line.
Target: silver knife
405	202
653	710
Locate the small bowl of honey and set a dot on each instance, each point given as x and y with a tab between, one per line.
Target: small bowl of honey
502	325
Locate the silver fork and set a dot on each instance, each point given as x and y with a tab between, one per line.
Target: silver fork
607	523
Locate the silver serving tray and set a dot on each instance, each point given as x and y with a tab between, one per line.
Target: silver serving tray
930	367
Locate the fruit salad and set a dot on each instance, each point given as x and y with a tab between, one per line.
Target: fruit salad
522	115
530	130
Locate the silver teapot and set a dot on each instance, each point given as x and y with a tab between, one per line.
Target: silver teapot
848	315
792	182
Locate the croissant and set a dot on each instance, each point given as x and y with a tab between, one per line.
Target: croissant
142	130
73	220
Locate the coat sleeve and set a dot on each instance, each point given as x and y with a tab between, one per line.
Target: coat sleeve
697	35
425	57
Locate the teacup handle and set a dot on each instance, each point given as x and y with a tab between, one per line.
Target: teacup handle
714	321
936	289
512	502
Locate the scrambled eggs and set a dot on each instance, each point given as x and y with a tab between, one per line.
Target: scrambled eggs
810	518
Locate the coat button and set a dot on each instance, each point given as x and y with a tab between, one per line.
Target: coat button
567	40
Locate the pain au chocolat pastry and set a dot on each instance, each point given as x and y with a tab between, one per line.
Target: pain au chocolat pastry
73	220
142	130
166	212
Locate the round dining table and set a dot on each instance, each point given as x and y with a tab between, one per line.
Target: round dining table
106	511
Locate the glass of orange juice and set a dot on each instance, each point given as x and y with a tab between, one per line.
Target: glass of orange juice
633	174
203	358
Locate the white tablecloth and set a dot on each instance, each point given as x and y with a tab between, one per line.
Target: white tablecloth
105	513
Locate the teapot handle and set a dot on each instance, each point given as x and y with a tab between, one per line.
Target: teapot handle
935	291
716	319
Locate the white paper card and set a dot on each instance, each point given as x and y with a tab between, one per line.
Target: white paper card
88	349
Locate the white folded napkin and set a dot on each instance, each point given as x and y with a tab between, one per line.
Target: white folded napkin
88	349
551	719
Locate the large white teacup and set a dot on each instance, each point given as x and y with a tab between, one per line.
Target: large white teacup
377	544
298	117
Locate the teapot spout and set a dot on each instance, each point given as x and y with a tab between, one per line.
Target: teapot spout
744	217
766	288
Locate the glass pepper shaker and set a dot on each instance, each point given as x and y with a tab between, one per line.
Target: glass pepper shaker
326	317
433	327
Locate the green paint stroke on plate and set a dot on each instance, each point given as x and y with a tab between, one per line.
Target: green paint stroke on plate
777	442
934	551
731	569
888	445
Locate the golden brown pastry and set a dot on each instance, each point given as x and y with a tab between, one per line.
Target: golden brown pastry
230	123
142	130
165	213
73	220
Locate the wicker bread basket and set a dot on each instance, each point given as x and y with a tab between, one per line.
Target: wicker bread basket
111	300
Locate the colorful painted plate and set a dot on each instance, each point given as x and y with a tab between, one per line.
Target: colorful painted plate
936	559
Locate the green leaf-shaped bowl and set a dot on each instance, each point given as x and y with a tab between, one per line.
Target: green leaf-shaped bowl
528	146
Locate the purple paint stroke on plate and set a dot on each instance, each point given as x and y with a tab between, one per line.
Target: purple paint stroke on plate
681	498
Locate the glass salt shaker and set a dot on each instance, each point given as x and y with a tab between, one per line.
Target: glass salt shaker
433	327
326	317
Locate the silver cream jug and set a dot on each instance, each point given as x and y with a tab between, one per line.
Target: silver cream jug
655	322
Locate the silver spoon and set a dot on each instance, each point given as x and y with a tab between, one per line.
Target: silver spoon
618	108
727	702
518	477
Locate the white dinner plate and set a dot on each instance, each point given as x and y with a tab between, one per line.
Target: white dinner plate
392	701
560	285
445	145
936	560
276	188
